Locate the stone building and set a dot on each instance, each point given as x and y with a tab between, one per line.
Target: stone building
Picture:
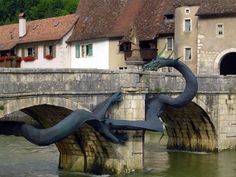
205	35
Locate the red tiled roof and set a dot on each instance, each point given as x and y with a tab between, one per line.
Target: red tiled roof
37	31
8	35
114	18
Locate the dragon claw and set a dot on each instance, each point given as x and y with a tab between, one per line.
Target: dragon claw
116	98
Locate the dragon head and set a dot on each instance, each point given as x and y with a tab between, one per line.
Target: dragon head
159	62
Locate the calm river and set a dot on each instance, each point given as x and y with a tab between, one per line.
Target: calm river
18	158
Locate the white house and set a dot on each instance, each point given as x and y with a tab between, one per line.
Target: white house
38	43
117	34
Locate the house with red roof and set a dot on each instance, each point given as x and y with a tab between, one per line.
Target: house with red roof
112	34
38	43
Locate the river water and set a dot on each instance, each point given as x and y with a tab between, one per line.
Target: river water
19	158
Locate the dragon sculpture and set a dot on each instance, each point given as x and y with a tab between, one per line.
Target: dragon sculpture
104	125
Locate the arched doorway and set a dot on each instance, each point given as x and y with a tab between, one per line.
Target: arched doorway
228	64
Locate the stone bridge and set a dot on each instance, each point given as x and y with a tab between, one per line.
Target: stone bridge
206	124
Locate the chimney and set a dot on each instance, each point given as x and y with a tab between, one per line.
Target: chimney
22	25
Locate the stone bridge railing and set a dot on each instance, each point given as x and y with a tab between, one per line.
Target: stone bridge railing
73	81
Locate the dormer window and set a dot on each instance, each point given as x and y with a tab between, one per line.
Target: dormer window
169	18
125	46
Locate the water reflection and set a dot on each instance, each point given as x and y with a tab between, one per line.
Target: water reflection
18	158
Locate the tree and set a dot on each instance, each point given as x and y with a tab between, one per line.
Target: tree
35	9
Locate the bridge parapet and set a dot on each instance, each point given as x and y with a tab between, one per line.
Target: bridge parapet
18	83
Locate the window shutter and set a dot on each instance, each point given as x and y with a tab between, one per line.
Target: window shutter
23	52
36	52
90	50
54	51
44	51
77	51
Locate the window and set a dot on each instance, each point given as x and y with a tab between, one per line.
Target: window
188	53
89	50
84	50
50	51
30	52
220	30
169	17
126	46
187	25
169	43
187	11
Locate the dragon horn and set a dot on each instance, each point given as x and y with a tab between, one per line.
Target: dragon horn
163	50
177	59
170	54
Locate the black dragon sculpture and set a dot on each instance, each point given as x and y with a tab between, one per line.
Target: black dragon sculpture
104	125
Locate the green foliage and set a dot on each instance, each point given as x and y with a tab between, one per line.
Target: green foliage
35	9
158	89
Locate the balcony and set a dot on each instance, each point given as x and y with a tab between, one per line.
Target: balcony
145	55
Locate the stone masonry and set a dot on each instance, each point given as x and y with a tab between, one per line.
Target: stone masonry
208	123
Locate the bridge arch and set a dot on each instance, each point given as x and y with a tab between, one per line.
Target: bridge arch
190	128
21	103
225	62
85	150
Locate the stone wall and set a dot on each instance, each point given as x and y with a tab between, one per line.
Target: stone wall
211	46
227	121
